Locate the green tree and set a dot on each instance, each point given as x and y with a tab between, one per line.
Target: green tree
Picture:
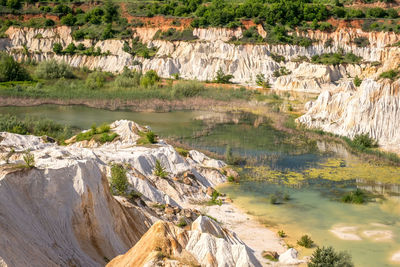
14	4
110	12
118	181
149	79
68	20
108	32
95	80
29	159
57	48
70	49
10	70
159	170
260	81
49	23
357	81
51	69
328	257
221	77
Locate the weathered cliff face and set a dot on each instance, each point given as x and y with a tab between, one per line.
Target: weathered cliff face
373	108
61	212
205	244
202	58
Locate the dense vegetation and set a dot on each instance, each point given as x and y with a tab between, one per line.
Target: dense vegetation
328	257
107	19
100	134
10	70
35	126
336	58
50	79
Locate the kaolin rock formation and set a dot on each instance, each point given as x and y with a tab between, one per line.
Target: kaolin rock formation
61	212
201	59
373	108
206	244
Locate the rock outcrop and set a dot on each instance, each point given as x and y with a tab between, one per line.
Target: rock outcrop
205	244
202	58
61	212
373	109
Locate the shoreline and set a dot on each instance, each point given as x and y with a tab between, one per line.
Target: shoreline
135	105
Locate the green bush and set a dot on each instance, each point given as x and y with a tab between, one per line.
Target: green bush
51	69
95	80
305	241
361	41
230	158
10	70
149	79
328	257
128	78
182	222
181	151
99	134
14	4
221	77
173	35
335	59
282	71
140	49
187	89
146	138
57	48
277	58
260	81
118	181
70	49
363	141
357	81
68	20
251	35
34	126
273	199
355	197
281	234
214	199
391	74
151	137
159	170
49	23
29	159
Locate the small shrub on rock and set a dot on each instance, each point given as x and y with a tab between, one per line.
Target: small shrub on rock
29	160
305	241
221	77
357	81
118	181
181	223
391	74
159	170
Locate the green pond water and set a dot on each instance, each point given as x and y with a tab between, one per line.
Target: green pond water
315	175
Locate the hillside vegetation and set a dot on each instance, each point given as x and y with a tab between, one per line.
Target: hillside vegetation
108	19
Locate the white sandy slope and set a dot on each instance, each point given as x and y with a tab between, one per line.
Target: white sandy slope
62	213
